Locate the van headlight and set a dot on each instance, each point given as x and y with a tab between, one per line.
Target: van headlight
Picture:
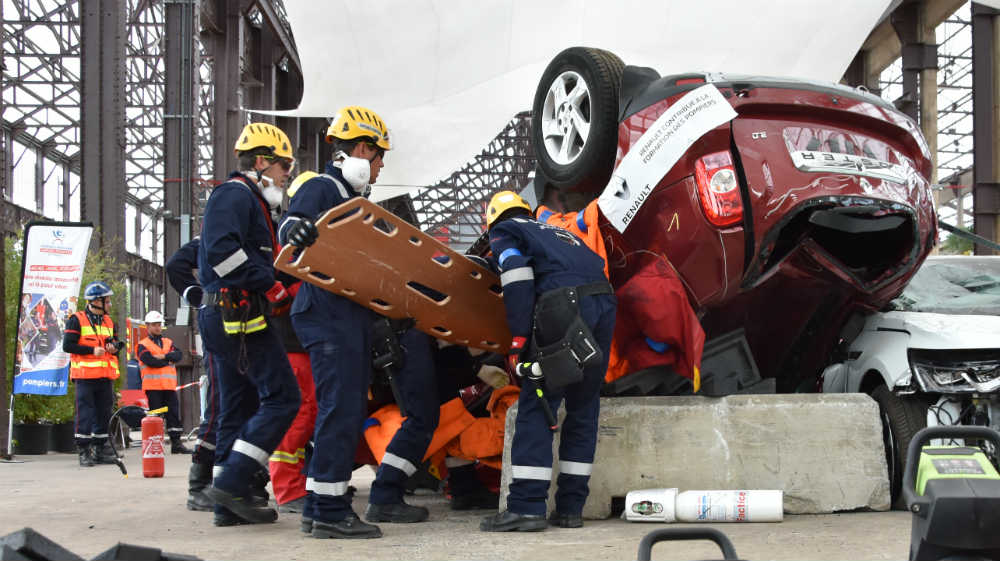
957	377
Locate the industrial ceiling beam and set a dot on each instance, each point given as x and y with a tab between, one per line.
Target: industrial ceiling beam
986	142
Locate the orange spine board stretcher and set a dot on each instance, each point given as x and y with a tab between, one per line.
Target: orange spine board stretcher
373	257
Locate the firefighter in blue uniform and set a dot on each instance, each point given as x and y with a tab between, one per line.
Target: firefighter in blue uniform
561	313
180	272
336	333
235	267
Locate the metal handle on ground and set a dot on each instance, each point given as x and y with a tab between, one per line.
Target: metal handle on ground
667	534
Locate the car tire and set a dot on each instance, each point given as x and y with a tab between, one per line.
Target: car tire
902	417
575	139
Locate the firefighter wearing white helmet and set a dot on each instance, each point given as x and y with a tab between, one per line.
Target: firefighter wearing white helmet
335	330
236	271
157	356
90	340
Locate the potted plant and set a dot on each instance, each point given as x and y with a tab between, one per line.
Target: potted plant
32	430
61	410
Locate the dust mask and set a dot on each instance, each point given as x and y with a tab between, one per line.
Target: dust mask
273	195
357	172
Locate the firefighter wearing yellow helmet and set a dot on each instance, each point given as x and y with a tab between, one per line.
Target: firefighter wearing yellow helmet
336	331
235	267
556	297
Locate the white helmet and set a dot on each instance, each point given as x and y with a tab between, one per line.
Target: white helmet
154	317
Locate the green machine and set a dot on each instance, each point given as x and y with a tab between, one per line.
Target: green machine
954	495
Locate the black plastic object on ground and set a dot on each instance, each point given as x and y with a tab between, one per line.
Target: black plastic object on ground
956	517
29	544
670	534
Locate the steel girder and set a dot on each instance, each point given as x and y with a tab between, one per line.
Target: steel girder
452	210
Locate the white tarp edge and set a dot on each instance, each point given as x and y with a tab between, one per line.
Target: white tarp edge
446	75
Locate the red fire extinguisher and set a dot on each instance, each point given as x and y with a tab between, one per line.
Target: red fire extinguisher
152	443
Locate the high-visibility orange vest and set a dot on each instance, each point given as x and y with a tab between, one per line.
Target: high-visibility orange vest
161	377
583	223
90	366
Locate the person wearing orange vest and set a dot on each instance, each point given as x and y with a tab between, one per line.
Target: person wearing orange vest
92	345
157	356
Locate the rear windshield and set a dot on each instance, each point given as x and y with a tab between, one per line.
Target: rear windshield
953	286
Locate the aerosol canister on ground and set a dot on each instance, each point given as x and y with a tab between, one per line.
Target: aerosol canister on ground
152	446
667	505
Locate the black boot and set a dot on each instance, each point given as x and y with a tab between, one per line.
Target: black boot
349	528
86	456
176	446
240	506
507	521
566	520
479	499
199	477
104	453
258	488
396	512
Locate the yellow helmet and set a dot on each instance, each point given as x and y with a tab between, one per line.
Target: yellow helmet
299	180
264	135
501	203
354	122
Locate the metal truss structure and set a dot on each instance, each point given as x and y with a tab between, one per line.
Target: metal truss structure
164	55
452	210
955	120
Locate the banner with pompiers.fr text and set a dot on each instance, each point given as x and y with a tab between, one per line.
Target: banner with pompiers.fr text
658	149
54	256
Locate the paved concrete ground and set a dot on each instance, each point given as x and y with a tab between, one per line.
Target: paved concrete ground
87	510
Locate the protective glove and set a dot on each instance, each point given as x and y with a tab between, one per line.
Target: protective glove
278	298
493	375
514	355
529	370
303	233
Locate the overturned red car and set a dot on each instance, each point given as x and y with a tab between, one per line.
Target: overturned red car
811	202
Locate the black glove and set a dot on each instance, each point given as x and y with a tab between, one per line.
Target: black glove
303	233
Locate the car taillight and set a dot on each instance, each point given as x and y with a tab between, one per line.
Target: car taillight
719	189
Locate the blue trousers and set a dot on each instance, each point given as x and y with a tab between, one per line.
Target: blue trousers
245	438
204	451
336	333
531	450
406	450
94	399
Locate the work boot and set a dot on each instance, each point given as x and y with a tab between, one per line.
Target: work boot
258	488
349	528
104	453
177	447
240	506
480	499
199	477
295	505
396	512
566	520
86	456
508	521
225	518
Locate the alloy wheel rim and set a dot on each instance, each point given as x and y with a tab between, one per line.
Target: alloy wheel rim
566	117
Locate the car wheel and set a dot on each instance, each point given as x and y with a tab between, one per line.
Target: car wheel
902	417
574	123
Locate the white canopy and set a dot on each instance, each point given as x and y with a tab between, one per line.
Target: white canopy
447	75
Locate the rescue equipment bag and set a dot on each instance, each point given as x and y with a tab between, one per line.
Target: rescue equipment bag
242	311
561	342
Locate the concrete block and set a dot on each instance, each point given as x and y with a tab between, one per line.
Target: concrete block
823	450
